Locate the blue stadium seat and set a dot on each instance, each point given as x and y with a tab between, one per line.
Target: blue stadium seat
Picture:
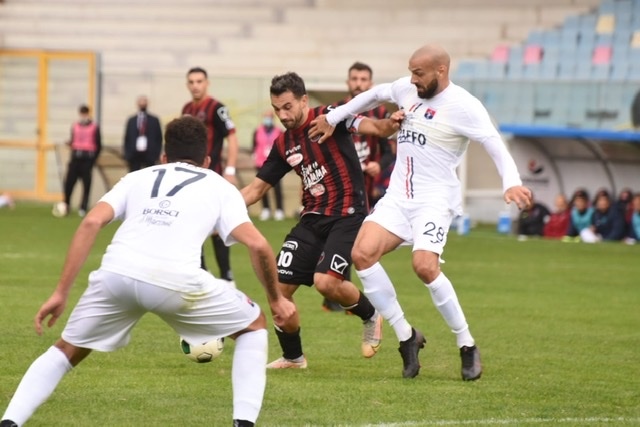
619	70
600	72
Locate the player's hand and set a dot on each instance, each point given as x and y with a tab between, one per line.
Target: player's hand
320	129
283	311
53	307
520	195
398	116
372	169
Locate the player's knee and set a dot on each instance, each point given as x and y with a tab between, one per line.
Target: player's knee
74	354
427	271
362	257
326	284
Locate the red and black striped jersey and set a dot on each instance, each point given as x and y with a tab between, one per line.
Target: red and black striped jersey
332	180
215	117
372	148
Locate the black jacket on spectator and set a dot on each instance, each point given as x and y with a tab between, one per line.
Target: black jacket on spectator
610	224
531	221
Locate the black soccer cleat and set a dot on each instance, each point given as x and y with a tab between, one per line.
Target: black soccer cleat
471	365
8	423
409	350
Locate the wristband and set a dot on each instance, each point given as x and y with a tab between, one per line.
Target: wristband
230	170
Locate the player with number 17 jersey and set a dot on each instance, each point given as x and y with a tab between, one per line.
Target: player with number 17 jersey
175	202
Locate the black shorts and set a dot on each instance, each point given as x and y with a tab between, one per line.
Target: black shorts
318	244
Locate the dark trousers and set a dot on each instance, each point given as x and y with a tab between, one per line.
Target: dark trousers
79	168
139	161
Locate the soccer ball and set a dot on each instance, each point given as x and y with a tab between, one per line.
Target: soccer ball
202	353
59	209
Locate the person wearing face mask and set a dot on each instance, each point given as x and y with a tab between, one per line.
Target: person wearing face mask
85	148
142	138
263	138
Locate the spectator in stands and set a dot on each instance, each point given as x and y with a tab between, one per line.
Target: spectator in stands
86	144
532	219
582	192
581	216
263	138
607	222
625	207
142	138
633	234
559	220
374	153
216	118
600	192
6	200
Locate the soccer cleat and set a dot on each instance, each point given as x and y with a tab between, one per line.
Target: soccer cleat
283	363
409	350
8	423
265	214
278	215
471	366
372	335
328	305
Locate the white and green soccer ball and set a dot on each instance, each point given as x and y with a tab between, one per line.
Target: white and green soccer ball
59	209
202	353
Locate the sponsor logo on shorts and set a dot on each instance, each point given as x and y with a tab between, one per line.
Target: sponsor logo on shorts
294	159
339	264
285	272
290	244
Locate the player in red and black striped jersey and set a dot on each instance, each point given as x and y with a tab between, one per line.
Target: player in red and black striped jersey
375	153
216	119
318	249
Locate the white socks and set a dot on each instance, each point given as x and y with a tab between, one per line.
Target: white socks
446	301
37	384
379	289
249	374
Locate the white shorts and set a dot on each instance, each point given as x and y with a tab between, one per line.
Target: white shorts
425	226
112	304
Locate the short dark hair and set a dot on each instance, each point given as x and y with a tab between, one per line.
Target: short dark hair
360	66
288	82
186	139
198	70
83	109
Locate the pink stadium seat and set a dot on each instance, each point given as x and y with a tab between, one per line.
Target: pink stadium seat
500	53
601	55
532	54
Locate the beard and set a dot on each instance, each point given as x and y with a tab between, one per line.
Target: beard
293	123
429	91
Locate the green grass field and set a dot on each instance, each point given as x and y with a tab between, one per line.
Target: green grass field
557	325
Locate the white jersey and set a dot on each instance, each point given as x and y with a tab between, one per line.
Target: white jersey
433	139
168	211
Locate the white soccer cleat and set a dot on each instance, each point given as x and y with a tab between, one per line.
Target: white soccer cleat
265	214
278	215
372	335
283	363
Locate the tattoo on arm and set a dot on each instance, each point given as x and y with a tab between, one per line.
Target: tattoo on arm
270	276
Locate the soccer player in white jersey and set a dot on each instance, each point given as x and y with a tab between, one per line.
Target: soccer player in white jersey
153	265
424	194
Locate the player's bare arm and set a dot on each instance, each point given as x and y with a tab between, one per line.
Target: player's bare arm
79	249
518	194
254	191
382	128
264	265
232	158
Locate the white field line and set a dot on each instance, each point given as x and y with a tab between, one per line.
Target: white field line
513	421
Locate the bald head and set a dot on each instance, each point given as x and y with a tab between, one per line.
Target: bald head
429	66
